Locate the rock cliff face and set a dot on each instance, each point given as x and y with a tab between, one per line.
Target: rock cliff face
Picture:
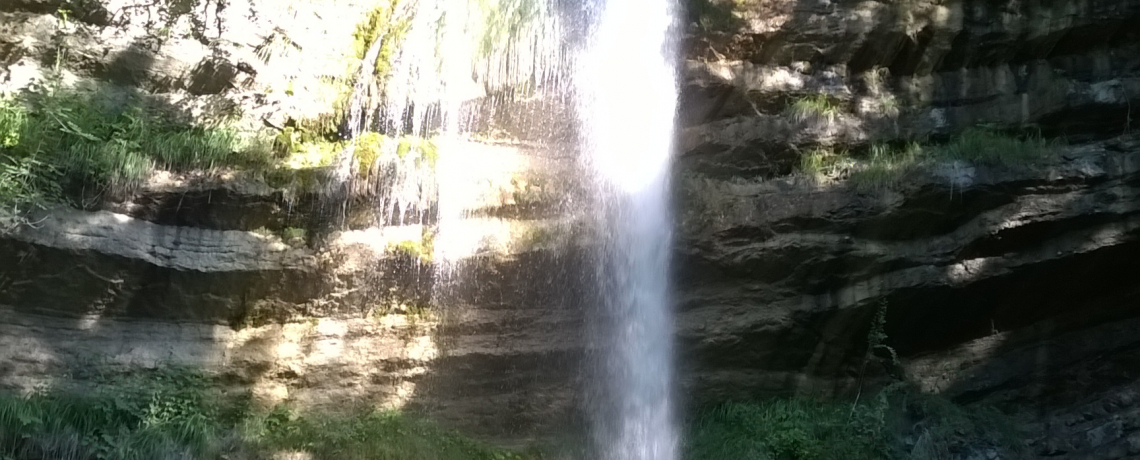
1006	284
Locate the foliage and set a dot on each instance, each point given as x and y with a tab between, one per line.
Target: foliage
175	413
785	429
900	422
293	233
54	139
140	417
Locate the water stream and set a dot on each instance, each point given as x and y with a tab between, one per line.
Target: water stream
627	101
612	61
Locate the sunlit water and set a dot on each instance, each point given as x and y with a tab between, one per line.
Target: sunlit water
618	69
627	96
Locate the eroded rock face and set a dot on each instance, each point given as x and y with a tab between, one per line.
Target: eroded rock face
777	263
898	71
1000	283
259	62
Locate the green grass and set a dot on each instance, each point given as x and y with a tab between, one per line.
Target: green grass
989	147
815	107
884	166
172	413
55	140
823	162
169	414
898	424
786	429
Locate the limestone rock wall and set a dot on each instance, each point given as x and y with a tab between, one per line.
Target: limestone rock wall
1000	282
264	63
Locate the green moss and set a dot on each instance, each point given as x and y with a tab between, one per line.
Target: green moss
393	38
420	250
374	24
369	149
380	24
295	180
536	237
425	149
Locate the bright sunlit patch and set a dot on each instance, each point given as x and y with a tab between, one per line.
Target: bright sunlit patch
629	94
628	99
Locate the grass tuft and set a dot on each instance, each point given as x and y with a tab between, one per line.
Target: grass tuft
823	162
983	146
815	107
884	165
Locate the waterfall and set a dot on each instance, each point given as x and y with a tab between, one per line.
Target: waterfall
614	60
627	100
